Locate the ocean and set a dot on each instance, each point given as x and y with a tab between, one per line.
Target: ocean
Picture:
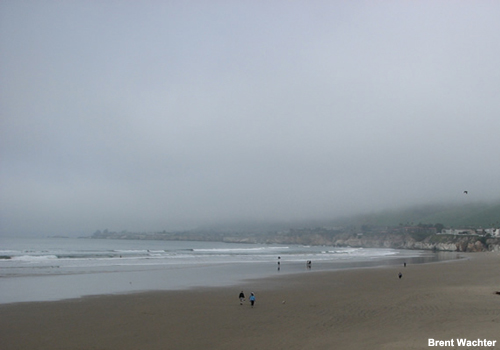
47	269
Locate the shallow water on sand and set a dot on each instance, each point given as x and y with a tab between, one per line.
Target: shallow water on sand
54	269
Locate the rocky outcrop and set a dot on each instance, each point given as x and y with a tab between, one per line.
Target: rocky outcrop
395	241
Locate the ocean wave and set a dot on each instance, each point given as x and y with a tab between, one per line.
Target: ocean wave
9	252
34	257
131	250
238	250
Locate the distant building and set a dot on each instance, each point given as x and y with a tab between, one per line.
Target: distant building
458	231
495	232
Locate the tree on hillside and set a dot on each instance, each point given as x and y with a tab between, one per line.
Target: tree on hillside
439	228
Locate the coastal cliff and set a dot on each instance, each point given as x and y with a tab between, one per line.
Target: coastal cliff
395	241
436	242
331	237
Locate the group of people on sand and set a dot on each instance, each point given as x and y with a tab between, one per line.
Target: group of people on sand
400	274
252	294
308	263
251	299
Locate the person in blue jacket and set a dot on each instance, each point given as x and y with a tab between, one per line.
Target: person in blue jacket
252	299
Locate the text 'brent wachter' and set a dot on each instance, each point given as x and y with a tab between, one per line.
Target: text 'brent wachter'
462	342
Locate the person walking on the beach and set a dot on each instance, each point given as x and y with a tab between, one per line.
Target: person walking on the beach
252	299
242	297
400	275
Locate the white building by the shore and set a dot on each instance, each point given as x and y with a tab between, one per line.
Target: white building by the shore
495	232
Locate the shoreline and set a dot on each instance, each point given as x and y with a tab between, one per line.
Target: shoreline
65	286
348	309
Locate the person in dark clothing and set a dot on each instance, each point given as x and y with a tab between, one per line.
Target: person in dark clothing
242	297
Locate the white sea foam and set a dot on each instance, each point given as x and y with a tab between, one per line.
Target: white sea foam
240	250
34	258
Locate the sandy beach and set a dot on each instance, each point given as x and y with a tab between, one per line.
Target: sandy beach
352	309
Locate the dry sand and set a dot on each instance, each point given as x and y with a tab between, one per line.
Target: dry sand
354	309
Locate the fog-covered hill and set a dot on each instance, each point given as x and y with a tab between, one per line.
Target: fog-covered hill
465	215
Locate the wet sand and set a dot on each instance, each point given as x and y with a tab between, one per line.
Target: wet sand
350	309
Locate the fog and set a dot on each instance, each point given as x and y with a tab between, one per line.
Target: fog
168	115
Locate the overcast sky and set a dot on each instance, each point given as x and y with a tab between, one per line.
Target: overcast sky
153	115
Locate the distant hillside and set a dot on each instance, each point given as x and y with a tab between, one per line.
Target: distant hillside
411	228
470	215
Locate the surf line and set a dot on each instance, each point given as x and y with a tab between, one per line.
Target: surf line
461	342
